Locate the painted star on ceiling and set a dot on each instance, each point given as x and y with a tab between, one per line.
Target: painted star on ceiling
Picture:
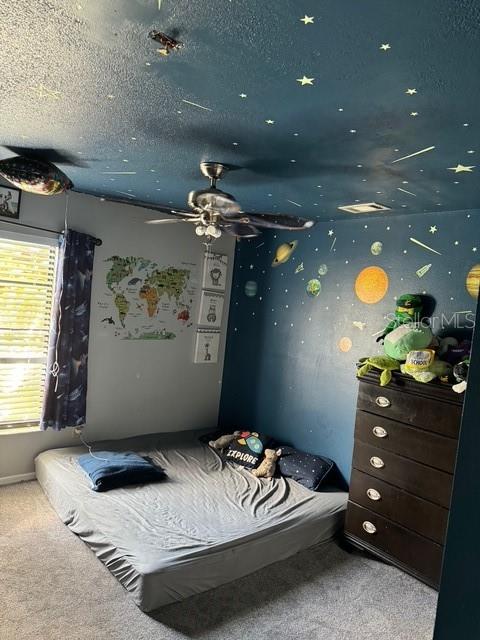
307	19
242	95
385	47
411	92
44	92
414	114
433	229
303	81
269	121
460	168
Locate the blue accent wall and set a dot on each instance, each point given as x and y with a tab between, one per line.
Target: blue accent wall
285	372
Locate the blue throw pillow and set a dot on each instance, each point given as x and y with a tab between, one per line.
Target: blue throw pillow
111	469
307	469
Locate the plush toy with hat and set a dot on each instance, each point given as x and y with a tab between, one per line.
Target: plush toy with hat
409	309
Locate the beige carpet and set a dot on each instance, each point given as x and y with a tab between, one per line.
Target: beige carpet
53	588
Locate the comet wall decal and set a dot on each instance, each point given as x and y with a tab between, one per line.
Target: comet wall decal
417	153
420	244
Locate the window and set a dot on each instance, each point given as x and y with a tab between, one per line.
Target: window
27	277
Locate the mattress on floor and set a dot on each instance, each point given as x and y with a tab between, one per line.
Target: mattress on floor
207	524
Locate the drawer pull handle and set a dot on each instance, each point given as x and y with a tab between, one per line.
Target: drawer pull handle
369	527
377	462
373	494
383	402
380	432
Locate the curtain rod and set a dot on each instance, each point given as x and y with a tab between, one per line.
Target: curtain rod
98	242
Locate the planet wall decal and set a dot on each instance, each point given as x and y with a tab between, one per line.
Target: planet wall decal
472	281
283	253
322	270
313	287
376	248
371	285
345	344
251	288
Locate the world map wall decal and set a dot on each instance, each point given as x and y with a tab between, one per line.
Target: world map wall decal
146	301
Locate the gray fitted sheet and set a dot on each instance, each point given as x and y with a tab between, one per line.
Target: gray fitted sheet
208	524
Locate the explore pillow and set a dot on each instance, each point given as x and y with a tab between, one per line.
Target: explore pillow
248	449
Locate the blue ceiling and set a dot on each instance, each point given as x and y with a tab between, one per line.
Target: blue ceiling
83	77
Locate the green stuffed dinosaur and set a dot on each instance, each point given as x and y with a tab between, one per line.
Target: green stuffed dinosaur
384	363
409	309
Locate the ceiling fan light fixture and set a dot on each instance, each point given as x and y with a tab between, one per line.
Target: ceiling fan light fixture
214	200
213	231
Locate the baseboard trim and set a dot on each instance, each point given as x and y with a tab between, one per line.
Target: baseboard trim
22	477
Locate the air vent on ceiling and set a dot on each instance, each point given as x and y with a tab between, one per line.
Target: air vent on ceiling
366	207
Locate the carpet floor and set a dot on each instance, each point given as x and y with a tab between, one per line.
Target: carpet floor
52	587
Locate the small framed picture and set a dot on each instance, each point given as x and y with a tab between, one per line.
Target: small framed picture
207	344
215	271
211	309
9	202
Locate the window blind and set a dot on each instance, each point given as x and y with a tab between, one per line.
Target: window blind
27	280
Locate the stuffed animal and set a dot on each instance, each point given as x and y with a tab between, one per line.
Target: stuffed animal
460	372
454	352
423	367
409	309
412	336
266	468
385	364
223	442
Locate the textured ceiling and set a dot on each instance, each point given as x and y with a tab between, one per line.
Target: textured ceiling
83	77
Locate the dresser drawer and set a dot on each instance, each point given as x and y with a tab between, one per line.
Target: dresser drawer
411	550
427	413
420	445
419	515
422	481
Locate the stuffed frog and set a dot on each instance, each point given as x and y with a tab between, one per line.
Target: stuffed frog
385	364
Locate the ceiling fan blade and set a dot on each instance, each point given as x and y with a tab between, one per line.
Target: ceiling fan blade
55	156
240	230
167	210
278	221
167	221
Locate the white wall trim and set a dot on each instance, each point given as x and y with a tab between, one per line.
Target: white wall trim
22	477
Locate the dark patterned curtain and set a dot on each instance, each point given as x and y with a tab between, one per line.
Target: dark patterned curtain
65	397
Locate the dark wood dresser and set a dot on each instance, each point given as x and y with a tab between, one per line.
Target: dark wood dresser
406	438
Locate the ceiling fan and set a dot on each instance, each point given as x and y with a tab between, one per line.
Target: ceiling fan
214	212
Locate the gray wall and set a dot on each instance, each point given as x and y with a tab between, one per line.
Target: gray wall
134	387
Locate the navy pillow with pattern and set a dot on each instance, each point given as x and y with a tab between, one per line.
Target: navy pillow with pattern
307	469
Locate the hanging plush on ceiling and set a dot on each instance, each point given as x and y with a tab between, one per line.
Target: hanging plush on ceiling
35	176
